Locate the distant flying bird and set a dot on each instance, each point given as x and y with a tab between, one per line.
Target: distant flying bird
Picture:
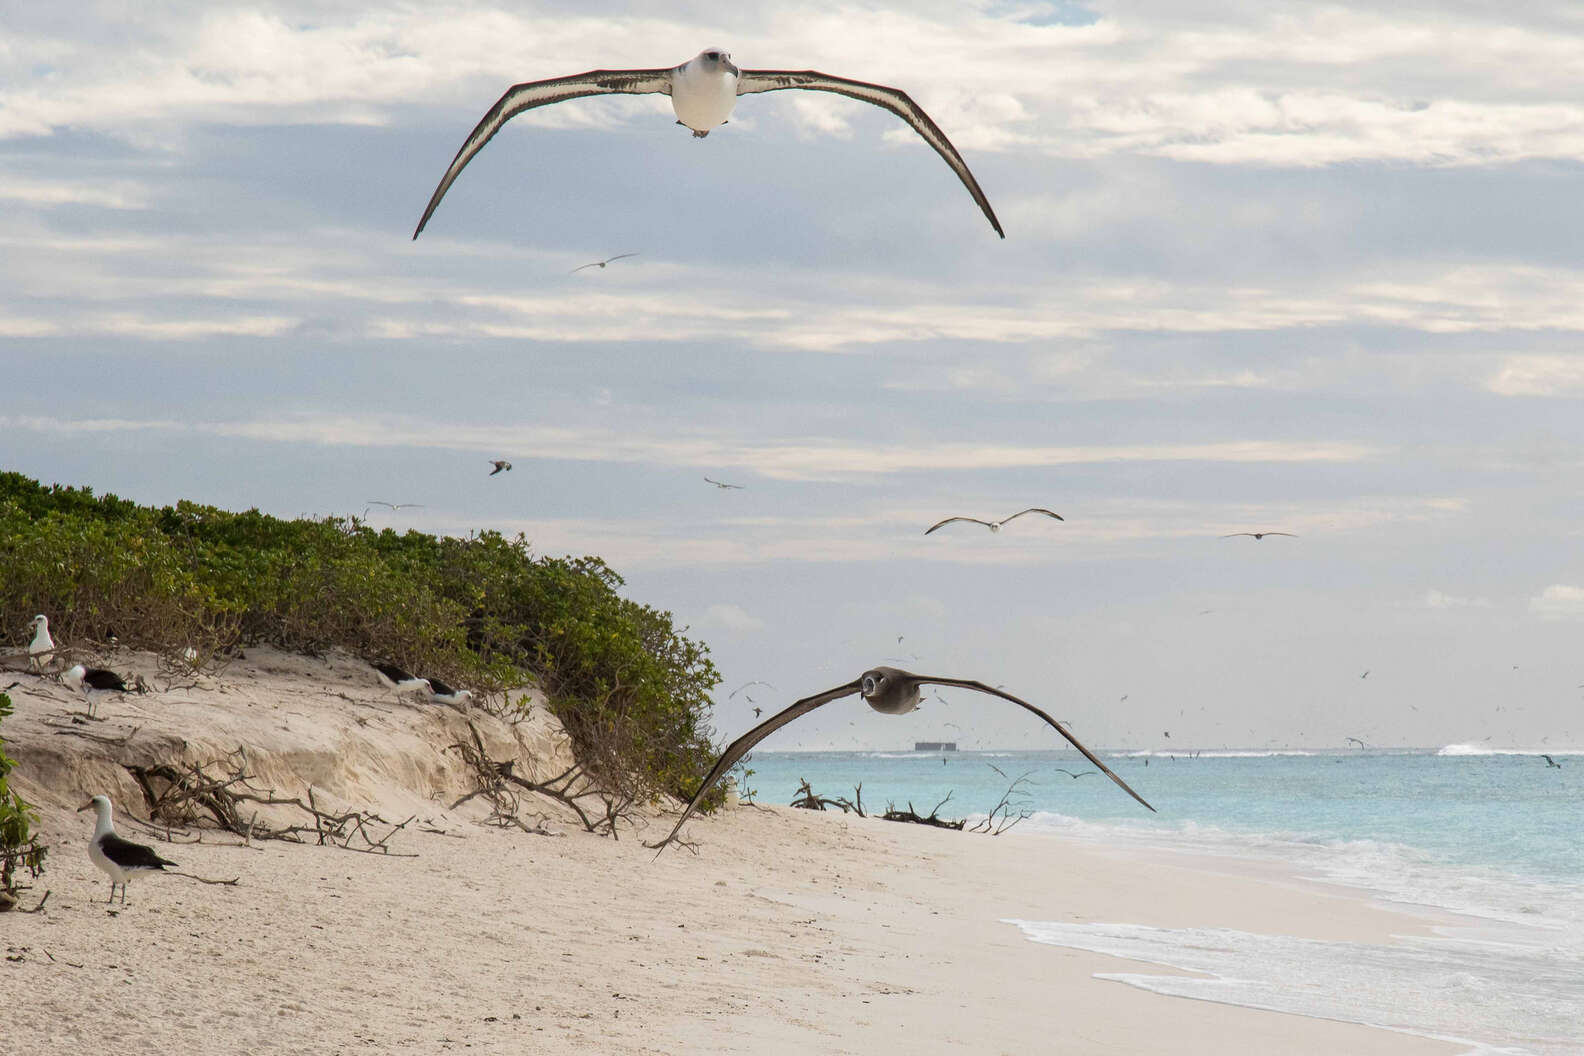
1365	674
725	487
745	685
758	712
42	646
118	859
393	506
94	683
994	526
1355	740
703	92
887	690
1550	762
501	466
597	263
1069	773
1258	535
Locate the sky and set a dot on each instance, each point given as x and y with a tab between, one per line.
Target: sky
1268	266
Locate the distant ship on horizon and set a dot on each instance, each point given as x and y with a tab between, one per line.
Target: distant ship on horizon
934	746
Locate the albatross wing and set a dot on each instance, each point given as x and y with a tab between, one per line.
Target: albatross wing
535	94
892	99
744	744
1087	754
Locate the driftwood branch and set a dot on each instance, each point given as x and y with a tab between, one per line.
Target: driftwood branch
505	804
807	800
194	797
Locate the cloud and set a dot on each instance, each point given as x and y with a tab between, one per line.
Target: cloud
790	459
732	617
1435	599
1278	84
1539	376
1558	602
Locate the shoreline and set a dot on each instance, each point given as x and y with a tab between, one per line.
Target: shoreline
788	931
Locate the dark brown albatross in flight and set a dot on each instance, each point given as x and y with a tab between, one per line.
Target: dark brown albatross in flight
888	690
703	92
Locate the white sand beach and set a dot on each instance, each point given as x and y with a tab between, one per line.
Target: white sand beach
787	932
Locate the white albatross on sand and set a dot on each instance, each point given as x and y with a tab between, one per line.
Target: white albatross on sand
93	683
118	859
42	647
703	92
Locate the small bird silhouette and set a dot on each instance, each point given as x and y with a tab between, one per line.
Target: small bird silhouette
601	263
723	486
501	466
1258	535
1550	762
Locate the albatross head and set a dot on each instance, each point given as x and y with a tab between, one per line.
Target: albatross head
100	805
716	60
889	690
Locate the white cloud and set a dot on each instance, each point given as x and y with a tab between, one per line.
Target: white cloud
732	617
1539	376
1436	599
1558	602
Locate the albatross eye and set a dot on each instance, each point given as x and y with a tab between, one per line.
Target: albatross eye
712	55
870	684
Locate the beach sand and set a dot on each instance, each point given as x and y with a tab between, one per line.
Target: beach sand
787	932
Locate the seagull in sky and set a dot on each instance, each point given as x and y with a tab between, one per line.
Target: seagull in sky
1069	773
396	505
994	526
703	92
597	263
501	466
1258	535
725	487
887	690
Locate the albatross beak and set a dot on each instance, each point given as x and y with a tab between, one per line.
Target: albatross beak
86	806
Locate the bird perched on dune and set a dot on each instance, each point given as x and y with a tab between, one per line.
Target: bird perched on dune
994	526
94	683
117	858
703	92
888	690
441	693
42	647
393	677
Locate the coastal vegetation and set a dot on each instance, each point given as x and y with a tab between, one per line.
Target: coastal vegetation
19	848
194	582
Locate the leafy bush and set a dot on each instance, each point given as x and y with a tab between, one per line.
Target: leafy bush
18	845
484	612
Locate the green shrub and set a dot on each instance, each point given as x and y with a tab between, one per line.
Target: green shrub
18	845
483	611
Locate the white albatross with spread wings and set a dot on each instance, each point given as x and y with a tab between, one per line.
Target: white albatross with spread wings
888	690
703	92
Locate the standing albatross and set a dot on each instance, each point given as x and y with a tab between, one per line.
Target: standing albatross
888	690
119	859
703	92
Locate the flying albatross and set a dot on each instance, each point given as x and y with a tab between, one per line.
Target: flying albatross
119	859
1257	535
703	92
994	526
888	690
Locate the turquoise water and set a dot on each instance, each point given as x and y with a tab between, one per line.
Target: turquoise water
1494	837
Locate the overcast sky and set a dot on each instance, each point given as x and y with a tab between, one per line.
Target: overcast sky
1268	266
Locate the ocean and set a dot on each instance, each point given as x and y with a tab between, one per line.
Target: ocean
1492	836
